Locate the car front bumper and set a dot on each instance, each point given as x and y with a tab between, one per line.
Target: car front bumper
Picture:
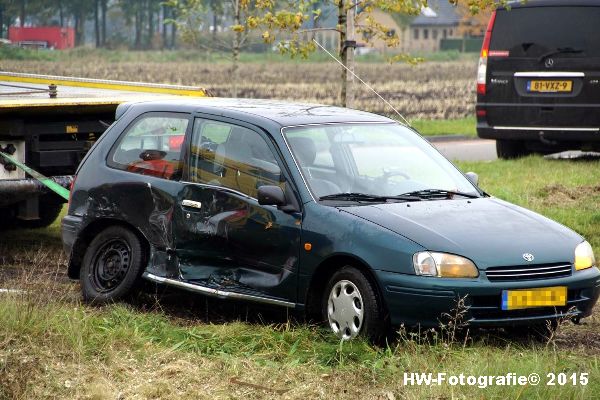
426	301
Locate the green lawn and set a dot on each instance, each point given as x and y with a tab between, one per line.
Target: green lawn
123	55
441	127
52	346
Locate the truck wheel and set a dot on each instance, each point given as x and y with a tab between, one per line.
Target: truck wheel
510	149
351	307
112	265
48	212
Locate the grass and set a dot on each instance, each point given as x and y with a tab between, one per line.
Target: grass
183	55
53	346
438	127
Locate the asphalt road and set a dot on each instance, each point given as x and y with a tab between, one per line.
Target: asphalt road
468	150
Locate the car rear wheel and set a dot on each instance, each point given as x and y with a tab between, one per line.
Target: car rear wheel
111	266
510	149
351	307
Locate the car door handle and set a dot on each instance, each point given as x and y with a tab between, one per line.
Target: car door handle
191	203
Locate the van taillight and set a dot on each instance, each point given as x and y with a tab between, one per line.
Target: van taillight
482	68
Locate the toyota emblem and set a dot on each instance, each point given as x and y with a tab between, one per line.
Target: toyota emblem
528	257
549	63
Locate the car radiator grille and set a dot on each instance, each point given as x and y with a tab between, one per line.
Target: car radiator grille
528	272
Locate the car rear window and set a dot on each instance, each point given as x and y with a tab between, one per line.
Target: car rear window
535	31
152	145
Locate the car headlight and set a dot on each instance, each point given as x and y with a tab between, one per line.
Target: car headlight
444	265
584	256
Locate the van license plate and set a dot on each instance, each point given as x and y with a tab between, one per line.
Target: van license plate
549	86
531	298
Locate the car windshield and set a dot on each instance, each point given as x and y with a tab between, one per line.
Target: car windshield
380	160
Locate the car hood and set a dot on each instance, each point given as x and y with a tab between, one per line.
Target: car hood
489	231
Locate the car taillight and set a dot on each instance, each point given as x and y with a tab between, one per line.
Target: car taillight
482	68
71	188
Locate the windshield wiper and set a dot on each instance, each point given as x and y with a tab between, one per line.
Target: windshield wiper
560	50
368	197
429	194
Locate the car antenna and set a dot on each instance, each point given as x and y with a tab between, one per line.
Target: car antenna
406	123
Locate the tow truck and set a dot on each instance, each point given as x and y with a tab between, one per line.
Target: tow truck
47	125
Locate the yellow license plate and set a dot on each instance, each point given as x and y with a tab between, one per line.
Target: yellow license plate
531	298
549	86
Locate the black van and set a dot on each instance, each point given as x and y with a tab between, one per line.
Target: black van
538	81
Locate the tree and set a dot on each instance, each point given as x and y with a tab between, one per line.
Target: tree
284	24
81	11
190	18
354	16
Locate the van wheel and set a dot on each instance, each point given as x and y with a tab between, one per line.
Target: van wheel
112	265
509	149
350	306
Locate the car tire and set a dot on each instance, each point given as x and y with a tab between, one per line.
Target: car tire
511	149
351	307
112	265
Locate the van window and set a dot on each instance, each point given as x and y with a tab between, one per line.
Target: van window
152	146
534	31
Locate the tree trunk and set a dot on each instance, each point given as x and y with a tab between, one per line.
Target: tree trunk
163	26
104	7
61	14
138	30
235	54
343	50
173	43
79	33
22	13
97	22
150	25
347	43
1	21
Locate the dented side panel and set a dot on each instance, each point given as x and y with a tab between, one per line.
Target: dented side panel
233	243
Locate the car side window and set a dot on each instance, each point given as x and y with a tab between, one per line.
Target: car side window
232	156
152	146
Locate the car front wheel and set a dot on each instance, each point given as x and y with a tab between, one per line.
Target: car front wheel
112	265
351	306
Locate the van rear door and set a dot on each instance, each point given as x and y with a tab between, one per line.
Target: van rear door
544	68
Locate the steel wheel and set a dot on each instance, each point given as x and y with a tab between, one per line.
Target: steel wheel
110	265
345	309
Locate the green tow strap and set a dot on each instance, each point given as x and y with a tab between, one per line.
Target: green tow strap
44	180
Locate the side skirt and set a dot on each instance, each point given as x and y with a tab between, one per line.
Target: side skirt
223	294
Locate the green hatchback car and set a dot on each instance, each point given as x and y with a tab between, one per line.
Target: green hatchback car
346	215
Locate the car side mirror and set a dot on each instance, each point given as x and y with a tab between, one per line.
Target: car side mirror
269	195
473	178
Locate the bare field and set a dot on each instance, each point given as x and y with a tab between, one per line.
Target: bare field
431	90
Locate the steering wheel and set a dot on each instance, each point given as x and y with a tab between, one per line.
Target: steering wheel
387	174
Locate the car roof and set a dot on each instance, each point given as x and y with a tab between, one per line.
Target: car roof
281	112
550	3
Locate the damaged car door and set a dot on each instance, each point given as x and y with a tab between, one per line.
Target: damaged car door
224	238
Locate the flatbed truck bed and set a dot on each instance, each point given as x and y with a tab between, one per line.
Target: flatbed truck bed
49	123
